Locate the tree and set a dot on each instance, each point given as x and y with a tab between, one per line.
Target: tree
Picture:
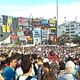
76	39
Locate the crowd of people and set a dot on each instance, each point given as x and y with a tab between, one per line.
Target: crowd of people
40	63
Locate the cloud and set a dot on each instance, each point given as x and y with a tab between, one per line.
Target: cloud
47	11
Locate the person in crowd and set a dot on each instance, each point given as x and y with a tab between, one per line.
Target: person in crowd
18	68
48	76
9	71
2	77
26	66
54	67
48	73
39	67
61	68
69	70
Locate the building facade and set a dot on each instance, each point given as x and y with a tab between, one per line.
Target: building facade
70	29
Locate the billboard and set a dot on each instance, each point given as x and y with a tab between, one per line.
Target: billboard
20	33
37	33
14	37
4	28
44	33
20	20
36	22
44	22
52	37
27	32
8	29
52	21
52	28
25	22
9	23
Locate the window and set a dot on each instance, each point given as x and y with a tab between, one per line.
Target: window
67	26
72	28
67	29
72	31
72	25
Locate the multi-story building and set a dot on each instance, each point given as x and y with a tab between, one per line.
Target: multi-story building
31	30
70	29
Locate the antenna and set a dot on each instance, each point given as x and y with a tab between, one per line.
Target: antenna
65	19
76	18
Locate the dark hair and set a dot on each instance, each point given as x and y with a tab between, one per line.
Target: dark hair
1	66
49	76
46	64
26	65
61	65
10	59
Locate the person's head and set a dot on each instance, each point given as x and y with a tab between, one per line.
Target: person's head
61	65
49	76
40	61
54	68
46	67
26	66
12	61
70	67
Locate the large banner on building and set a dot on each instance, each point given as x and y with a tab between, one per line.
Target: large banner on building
8	28
52	21
9	24
25	22
53	38
20	21
36	22
37	33
44	22
9	20
44	33
4	28
21	35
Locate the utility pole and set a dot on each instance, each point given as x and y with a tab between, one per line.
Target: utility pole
57	11
56	17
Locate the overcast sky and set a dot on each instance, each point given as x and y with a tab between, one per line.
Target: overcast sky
41	8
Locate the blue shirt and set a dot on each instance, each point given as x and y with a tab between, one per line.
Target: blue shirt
9	73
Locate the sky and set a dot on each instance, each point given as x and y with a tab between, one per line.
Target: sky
42	8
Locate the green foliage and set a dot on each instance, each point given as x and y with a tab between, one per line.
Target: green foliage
76	39
17	42
61	41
